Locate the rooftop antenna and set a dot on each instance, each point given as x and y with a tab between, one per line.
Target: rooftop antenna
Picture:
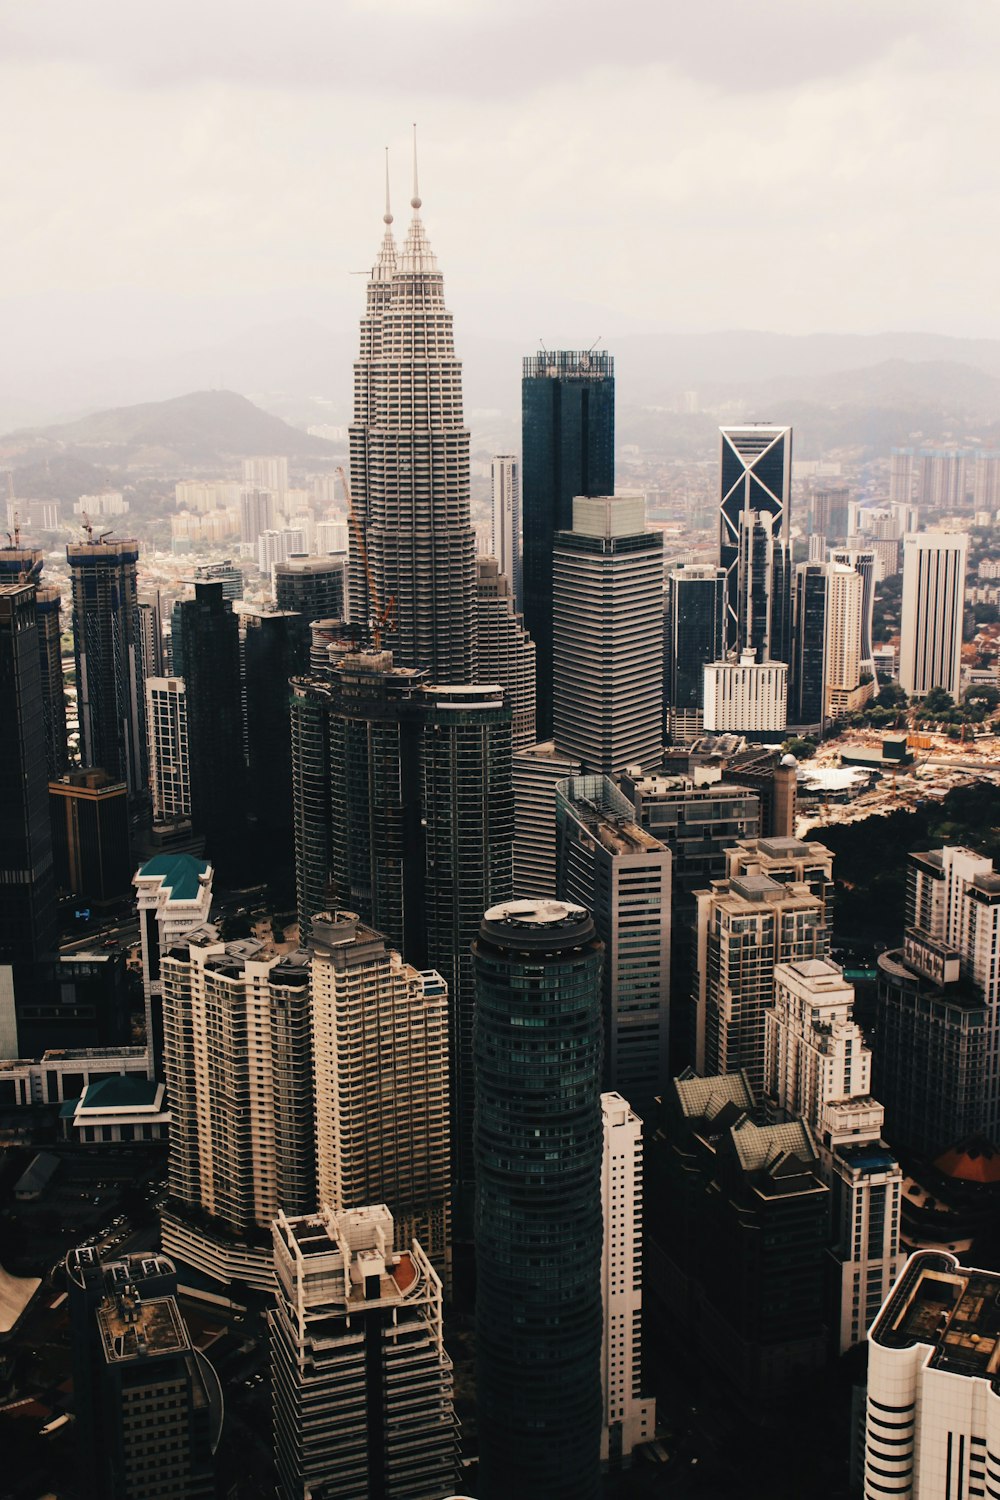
415	200
595	343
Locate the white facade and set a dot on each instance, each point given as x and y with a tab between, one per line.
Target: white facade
266	473
746	697
169	765
256	514
505	531
173	897
930	651
952	900
536	771
331	536
380	1049
844	600
506	650
628	1418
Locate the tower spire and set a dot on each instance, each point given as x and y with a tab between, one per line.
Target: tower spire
415	200
387	216
386	264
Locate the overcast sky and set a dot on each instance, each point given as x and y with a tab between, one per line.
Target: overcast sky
176	172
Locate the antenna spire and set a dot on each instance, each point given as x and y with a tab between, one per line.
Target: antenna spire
415	200
387	216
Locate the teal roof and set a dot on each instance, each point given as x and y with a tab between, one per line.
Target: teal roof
123	1091
181	872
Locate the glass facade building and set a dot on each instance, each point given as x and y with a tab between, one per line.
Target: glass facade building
568	449
539	1231
755	475
808	677
107	639
694	632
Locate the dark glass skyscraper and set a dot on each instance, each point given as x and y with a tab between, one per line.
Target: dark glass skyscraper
314	586
539	1229
694	631
568	449
807	688
756	469
107	638
15	564
276	647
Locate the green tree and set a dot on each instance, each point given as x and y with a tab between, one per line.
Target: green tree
891	695
938	701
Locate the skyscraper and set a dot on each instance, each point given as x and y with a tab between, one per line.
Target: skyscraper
173	897
256	514
17	564
763	594
862	560
747	697
845	692
275	648
568	449
628	1419
756	470
505	528
410	464
536	772
361	1380
151	633
538	1148
607	634
107	639
380	1049
693	635
506	650
807	684
313	586
930	648
169	759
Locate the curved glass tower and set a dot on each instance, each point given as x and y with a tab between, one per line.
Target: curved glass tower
539	1230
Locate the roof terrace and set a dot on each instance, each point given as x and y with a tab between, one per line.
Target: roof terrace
953	1309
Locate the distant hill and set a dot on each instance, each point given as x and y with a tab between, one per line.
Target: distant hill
203	428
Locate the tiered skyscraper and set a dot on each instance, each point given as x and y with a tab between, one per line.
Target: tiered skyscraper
410	464
753	536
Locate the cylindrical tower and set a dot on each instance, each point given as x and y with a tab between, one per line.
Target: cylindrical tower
538	1142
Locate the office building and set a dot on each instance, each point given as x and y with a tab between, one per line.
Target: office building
747	697
538	1149
256	514
755	478
746	925
237	1052
932	1402
266	472
28	928
380	1048
361	1381
312	586
845	691
24	564
275	648
829	512
506	650
818	1069
505	522
693	635
169	758
807	678
90	836
763	595
536	772
607	635
937	1026
210	666
151	634
629	1418
410	466
862	560
226	573
173	898
568	449
930	649
737	1225
620	873
107	640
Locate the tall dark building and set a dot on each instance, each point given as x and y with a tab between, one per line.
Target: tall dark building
568	449
756	471
107	639
90	836
313	586
276	647
539	1229
210	666
763	588
693	634
27	879
807	686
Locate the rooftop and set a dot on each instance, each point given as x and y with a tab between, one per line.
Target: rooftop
181	873
124	1091
953	1309
131	1328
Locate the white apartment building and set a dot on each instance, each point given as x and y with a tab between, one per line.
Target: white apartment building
169	765
930	648
746	697
380	1050
932	1428
331	536
505	527
268	472
844	619
818	1069
629	1419
361	1381
173	897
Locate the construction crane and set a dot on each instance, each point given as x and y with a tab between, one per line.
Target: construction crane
383	615
14	537
87	526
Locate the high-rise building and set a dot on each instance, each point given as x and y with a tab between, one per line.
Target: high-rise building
938	1009
930	648
169	759
256	514
789	861
818	1069
845	692
410	465
505	533
20	564
312	586
210	666
226	573
901	475
107	639
932	1403
173	898
862	560
538	1147
756	477
237	1051
629	1419
28	928
536	772
607	635
151	633
763	593
506	650
746	925
380	1049
267	472
568	449
362	1384
606	863
829	511
90	836
747	697
693	635
807	685
275	648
